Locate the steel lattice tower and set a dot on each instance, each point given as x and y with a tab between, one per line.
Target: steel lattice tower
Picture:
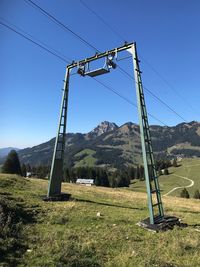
156	214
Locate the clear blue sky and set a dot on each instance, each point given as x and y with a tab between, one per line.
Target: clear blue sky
167	35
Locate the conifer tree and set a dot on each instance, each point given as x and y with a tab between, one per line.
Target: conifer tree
67	175
174	164
28	168
104	179
23	168
141	170
98	178
166	172
159	172
197	194
12	164
131	173
138	173
184	193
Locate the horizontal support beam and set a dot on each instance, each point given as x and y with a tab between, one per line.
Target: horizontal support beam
100	55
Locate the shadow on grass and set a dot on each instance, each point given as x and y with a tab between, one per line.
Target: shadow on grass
178	165
106	204
194	225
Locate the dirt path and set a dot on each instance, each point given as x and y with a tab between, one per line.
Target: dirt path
180	187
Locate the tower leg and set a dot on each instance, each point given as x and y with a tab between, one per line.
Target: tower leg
152	185
56	173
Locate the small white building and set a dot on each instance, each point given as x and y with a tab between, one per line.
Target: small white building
87	182
179	159
163	171
28	174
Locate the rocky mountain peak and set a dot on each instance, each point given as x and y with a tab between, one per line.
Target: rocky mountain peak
104	127
193	123
129	127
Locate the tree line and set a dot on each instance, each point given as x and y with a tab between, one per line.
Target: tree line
105	177
185	194
12	165
102	176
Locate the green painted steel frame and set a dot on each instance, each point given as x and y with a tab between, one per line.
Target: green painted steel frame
56	173
147	151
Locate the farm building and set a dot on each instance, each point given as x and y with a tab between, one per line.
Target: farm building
87	182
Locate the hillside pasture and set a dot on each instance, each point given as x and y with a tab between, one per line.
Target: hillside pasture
189	168
73	234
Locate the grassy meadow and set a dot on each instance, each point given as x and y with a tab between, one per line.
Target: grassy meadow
189	168
87	160
37	233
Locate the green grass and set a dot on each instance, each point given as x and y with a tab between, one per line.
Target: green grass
88	159
189	168
71	234
86	151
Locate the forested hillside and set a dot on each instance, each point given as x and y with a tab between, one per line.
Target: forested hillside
111	146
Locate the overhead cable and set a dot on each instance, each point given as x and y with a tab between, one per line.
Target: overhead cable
170	86
126	99
124	72
34	42
54	54
102	20
83	40
55	20
155	96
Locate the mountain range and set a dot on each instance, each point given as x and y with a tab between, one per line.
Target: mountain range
116	146
4	151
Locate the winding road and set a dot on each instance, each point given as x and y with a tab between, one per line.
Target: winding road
180	187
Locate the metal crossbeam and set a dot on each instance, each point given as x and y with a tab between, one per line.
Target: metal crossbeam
97	56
